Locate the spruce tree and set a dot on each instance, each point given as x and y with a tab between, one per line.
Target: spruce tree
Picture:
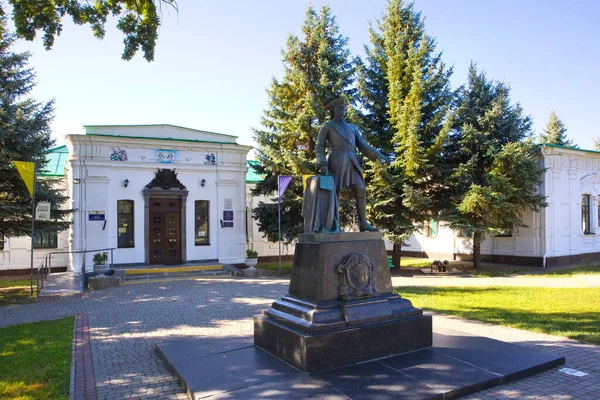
317	69
405	92
24	136
496	173
555	132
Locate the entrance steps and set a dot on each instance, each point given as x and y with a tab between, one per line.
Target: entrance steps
147	273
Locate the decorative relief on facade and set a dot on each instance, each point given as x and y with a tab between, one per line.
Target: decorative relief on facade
165	156
118	154
210	159
165	179
357	272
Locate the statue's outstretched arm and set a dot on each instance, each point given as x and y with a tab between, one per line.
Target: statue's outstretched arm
371	152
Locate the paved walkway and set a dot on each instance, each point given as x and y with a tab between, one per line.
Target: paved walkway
125	322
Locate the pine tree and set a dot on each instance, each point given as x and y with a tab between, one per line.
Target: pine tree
24	136
555	132
318	69
496	173
405	91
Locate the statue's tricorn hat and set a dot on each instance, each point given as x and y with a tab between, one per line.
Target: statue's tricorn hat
334	103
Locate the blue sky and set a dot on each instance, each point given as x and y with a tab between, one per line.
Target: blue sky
215	59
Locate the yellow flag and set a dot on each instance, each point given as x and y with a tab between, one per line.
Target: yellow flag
304	179
27	171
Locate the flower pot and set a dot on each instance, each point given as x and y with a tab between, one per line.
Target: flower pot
101	268
251	262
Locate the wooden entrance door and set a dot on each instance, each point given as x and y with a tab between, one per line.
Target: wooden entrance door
165	231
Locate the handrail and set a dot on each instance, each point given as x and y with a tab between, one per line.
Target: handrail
45	267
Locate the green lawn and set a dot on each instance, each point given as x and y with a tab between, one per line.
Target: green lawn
569	312
273	268
16	291
587	270
35	360
6	282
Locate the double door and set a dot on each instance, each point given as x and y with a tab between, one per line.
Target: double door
165	231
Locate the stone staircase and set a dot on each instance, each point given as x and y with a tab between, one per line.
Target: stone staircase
147	273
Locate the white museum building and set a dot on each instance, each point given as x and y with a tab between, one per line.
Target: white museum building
156	194
163	194
567	232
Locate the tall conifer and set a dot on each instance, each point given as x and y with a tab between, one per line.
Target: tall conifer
405	92
24	136
317	68
496	174
555	132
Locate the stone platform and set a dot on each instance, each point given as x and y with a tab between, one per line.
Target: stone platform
457	364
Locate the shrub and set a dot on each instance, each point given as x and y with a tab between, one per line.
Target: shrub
251	253
100	258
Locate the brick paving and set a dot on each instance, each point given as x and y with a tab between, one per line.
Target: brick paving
125	322
85	382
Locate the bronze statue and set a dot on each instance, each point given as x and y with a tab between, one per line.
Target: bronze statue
343	162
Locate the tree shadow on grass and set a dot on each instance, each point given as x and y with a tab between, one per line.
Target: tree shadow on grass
576	325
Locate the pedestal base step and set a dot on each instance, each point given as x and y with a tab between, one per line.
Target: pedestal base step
312	352
458	364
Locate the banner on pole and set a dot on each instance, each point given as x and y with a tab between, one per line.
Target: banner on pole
284	181
304	179
27	172
42	211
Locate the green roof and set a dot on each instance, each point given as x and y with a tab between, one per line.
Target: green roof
57	157
569	148
251	175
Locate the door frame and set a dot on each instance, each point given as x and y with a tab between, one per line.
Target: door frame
164	194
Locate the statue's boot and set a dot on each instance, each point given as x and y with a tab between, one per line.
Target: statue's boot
361	210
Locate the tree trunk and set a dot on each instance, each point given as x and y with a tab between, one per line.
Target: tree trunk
396	255
476	249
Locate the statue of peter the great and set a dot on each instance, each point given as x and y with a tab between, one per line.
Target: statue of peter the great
343	162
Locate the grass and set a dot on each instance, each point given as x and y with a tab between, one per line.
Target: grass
504	271
405	262
19	281
16	291
561	273
568	312
35	360
273	268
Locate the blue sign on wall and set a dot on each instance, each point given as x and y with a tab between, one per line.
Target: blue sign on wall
96	216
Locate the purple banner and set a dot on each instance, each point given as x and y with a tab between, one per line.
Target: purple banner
284	181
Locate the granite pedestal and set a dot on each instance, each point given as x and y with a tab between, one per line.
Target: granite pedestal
340	309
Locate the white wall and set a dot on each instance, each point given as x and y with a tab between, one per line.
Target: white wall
256	240
569	175
17	250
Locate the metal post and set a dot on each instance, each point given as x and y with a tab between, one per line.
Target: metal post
32	233
279	219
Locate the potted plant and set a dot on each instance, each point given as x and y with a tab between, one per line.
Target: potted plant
100	262
251	258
